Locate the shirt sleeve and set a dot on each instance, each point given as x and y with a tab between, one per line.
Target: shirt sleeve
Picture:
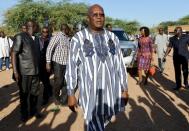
52	44
72	65
10	42
170	43
122	68
17	43
156	40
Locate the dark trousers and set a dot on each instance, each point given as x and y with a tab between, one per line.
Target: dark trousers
44	77
59	82
28	89
180	63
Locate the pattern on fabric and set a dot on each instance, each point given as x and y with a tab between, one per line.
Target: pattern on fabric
101	48
88	48
111	46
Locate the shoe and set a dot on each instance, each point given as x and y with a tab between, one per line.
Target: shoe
37	115
176	88
44	102
24	118
0	70
7	69
63	101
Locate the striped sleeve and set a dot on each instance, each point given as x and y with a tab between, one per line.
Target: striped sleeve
71	68
53	42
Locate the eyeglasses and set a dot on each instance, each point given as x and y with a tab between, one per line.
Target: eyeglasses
45	32
97	14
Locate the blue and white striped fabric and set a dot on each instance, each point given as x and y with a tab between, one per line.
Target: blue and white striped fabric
95	61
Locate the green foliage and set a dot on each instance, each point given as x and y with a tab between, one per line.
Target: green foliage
67	13
182	21
59	12
165	25
130	27
18	15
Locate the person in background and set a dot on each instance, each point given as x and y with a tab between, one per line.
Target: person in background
161	42
24	28
5	49
25	60
179	42
145	54
44	40
56	57
96	65
109	26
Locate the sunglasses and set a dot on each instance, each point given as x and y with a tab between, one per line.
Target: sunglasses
45	32
97	14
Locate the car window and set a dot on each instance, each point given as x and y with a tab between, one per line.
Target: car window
121	35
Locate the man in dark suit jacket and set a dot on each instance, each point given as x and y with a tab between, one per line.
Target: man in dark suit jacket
25	60
179	42
44	40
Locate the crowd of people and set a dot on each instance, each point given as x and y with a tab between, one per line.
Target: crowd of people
91	61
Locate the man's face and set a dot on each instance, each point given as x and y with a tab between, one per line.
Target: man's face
96	18
161	31
24	28
45	33
109	28
178	31
31	27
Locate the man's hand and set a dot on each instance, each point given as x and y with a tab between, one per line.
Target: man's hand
48	67
17	76
72	103
125	96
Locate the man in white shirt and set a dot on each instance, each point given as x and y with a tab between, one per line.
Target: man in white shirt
5	45
161	42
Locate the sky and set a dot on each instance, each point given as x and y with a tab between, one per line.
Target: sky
146	12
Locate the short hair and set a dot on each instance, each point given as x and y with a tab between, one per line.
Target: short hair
146	30
108	24
28	21
178	27
160	28
45	27
91	7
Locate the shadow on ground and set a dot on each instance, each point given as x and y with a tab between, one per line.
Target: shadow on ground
164	114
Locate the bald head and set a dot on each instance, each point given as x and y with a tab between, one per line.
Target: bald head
96	17
91	8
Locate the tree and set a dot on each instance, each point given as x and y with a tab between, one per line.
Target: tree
130	27
55	13
184	20
165	25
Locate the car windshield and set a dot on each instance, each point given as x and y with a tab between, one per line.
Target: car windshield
121	35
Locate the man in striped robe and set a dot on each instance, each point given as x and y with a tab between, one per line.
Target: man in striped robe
96	63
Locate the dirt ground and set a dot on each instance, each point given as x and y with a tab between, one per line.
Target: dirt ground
154	107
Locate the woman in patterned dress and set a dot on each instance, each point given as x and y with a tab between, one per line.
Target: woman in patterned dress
145	54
